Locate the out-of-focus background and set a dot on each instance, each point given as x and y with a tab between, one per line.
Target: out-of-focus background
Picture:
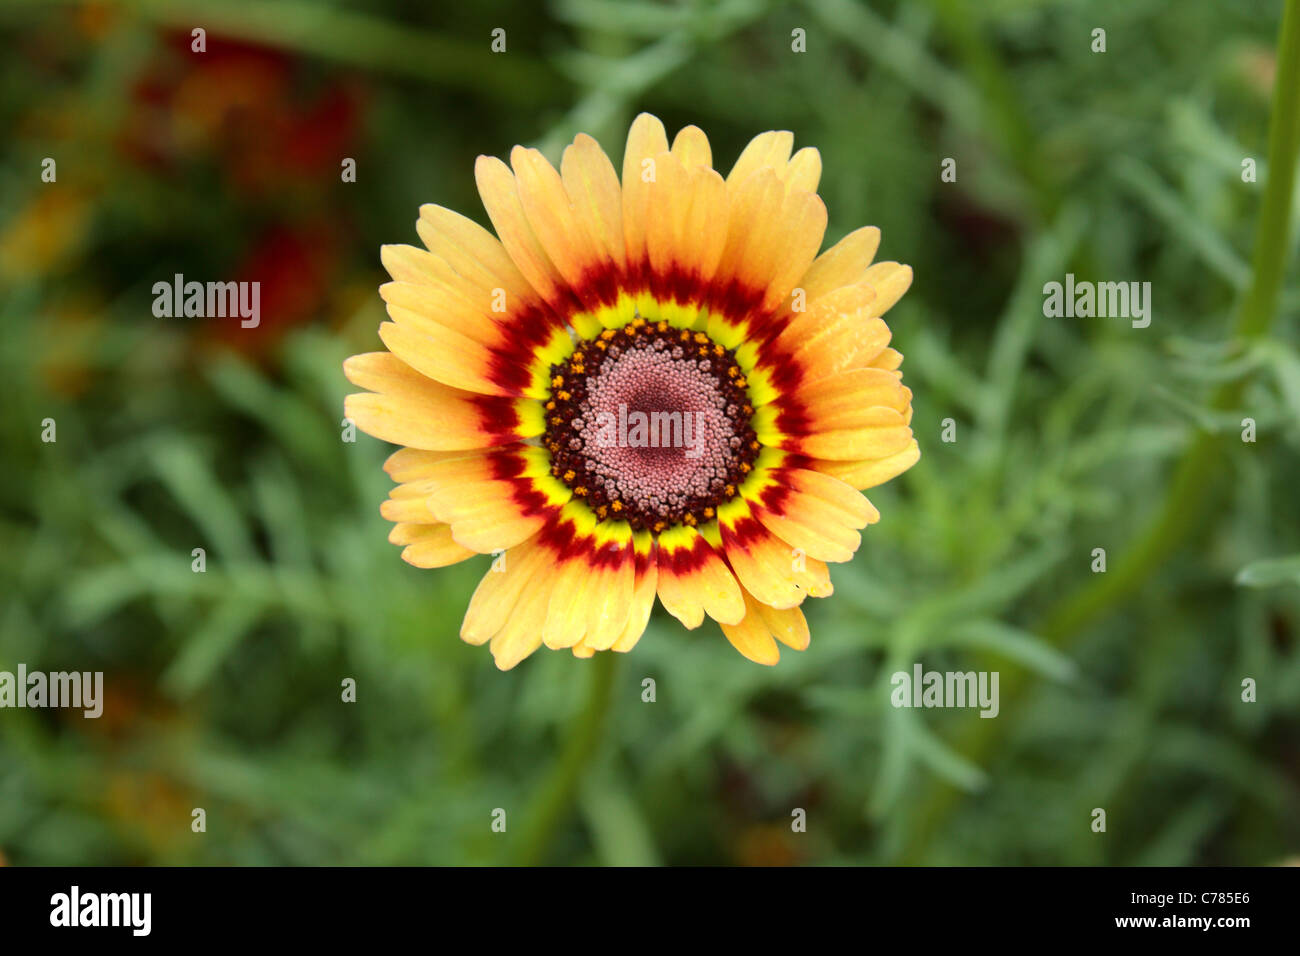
1120	690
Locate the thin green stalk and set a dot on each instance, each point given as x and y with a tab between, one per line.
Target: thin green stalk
1187	496
1191	491
552	805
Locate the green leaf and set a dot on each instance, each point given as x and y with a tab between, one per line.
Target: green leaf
209	646
943	760
1022	646
198	490
1270	572
1182	222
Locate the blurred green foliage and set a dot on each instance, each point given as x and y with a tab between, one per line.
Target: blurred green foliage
224	687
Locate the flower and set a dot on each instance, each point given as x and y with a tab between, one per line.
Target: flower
516	365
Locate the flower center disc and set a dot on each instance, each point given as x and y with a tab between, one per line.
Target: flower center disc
651	424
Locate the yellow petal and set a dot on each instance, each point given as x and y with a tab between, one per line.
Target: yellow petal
546	203
887	359
646	139
751	635
593	188
500	194
412	409
693	581
767	567
429	545
766	150
691	147
566	615
687	234
805	170
844	400
407	509
609	602
773	235
495	597
522	632
440	352
787	625
452	304
413	464
490	520
856	443
475	254
643	596
839	331
842	264
890	281
869	473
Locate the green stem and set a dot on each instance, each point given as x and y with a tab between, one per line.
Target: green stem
552	805
1187	499
1190	491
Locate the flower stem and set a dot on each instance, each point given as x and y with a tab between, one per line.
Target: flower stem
551	807
1187	497
1191	490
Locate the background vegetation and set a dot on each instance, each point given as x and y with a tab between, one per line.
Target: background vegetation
1119	690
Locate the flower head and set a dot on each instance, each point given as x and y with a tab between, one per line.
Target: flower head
648	388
